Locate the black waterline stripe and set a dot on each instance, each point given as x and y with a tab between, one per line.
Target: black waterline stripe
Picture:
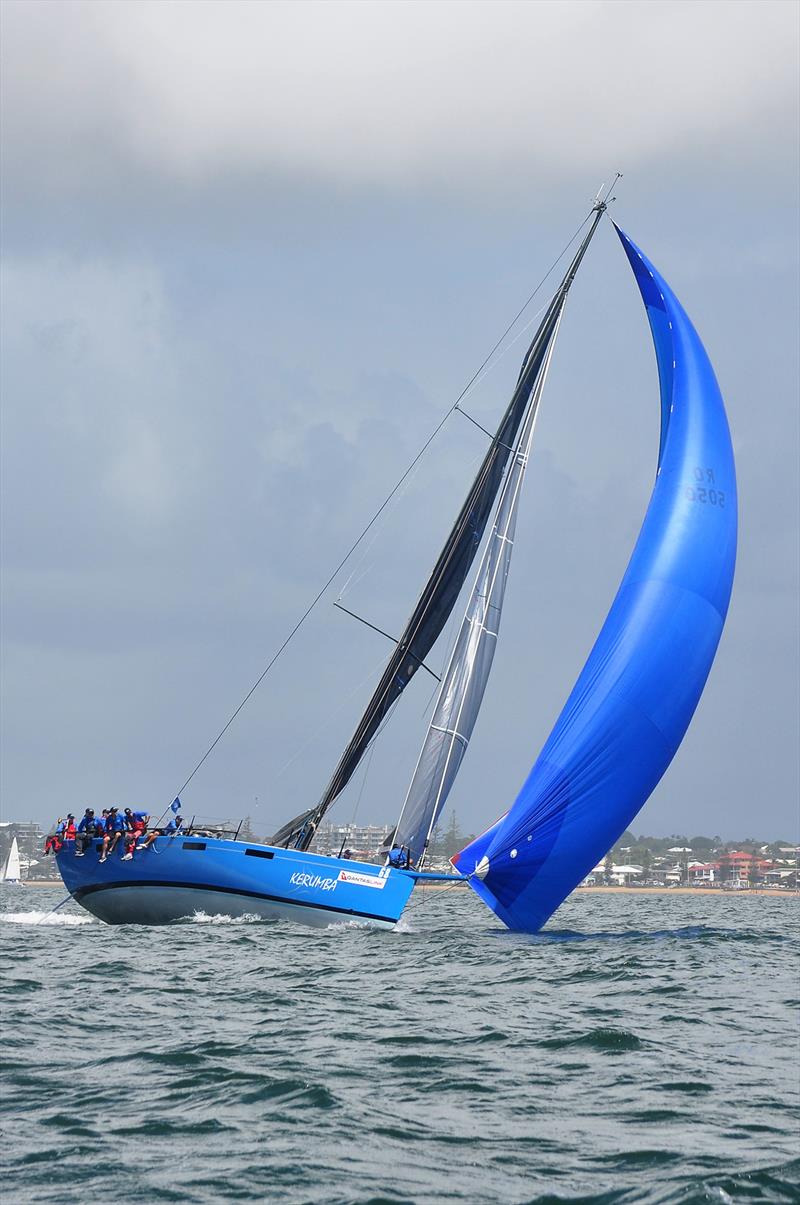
256	895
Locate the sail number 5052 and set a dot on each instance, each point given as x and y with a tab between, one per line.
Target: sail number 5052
704	489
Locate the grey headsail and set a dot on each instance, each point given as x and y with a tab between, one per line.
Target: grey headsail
464	681
444	585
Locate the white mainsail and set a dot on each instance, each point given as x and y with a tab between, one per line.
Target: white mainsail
11	870
464	682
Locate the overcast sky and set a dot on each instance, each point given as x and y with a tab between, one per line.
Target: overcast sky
252	253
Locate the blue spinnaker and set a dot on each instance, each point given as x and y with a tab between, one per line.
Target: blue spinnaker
636	695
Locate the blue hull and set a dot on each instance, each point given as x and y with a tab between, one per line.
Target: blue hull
178	876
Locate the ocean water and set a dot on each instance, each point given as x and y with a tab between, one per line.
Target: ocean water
641	1049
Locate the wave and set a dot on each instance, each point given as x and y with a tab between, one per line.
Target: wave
597	1039
451	1067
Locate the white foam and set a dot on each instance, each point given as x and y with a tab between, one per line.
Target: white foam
44	918
348	924
343	926
218	918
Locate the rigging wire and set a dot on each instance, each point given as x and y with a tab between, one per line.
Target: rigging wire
476	381
367	764
314	735
45	915
375	516
484	372
359	567
422	888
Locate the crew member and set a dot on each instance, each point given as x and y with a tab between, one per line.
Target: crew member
136	825
85	833
55	840
174	826
115	828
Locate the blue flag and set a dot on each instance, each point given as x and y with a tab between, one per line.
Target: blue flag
176	805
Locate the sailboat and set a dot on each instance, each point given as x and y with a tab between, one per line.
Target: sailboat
11	870
611	744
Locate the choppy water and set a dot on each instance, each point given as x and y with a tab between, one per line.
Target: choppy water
643	1049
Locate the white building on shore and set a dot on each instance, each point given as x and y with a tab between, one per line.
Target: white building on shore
366	840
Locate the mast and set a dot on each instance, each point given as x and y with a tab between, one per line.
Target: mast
440	592
464	681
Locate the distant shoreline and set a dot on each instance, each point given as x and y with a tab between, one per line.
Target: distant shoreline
774	891
692	891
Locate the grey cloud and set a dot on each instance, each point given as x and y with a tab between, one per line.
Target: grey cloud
211	376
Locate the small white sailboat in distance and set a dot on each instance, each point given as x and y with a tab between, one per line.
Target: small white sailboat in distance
11	870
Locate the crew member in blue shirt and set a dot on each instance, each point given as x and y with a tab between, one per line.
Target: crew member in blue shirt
85	832
399	858
115	827
174	826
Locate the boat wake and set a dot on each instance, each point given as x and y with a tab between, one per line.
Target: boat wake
44	918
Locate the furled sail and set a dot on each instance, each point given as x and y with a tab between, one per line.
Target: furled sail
636	695
444	585
464	682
